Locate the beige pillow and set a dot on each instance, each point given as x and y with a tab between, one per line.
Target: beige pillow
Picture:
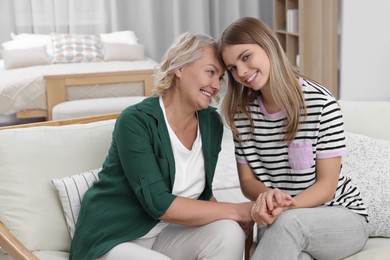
123	52
126	37
19	58
71	48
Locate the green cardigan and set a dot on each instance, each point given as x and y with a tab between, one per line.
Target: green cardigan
135	185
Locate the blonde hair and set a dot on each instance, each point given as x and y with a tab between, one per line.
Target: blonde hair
186	49
283	80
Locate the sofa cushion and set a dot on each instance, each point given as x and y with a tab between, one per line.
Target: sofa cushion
30	158
375	249
71	191
368	164
367	117
226	175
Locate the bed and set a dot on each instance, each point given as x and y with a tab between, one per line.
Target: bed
32	91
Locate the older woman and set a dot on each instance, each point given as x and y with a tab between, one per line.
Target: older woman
154	196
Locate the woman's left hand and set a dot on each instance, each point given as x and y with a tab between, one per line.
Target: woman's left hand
269	205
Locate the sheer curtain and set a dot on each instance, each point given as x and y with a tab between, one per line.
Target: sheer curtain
158	22
155	22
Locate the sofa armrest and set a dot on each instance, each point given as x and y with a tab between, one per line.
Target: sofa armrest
13	246
72	121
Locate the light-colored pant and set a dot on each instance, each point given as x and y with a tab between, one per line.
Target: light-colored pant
321	233
223	239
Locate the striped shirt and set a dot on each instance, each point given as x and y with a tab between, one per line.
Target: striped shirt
291	167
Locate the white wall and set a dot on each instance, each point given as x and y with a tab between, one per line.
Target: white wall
365	50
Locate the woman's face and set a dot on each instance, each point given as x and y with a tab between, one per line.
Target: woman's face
200	81
248	64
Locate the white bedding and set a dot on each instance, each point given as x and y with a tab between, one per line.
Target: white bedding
24	88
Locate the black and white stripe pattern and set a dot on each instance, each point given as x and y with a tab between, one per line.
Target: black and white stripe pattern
291	168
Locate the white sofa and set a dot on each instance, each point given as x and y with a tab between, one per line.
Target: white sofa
30	158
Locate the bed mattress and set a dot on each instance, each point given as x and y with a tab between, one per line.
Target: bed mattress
24	88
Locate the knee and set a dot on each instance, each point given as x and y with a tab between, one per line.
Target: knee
227	233
230	228
227	239
287	221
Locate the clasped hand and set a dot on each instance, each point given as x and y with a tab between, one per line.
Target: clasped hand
269	205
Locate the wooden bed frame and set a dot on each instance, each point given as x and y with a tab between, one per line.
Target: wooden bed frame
56	87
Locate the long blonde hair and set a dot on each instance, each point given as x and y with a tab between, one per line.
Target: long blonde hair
283	80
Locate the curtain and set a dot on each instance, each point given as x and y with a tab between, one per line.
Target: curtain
158	22
155	22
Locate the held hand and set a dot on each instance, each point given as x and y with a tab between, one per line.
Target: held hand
269	205
276	198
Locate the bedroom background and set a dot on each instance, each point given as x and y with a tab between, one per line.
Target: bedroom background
157	22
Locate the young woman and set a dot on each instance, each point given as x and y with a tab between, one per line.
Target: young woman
153	197
289	142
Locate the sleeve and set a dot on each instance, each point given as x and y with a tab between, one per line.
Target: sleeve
331	138
143	160
243	126
240	157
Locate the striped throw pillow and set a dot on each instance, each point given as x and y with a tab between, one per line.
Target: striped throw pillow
71	191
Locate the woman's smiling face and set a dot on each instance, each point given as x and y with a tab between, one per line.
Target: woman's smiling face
248	64
201	80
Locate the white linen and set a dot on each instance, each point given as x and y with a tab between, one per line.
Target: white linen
24	88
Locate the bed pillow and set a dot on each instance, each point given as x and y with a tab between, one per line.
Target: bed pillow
125	37
72	48
19	58
30	36
71	191
123	52
28	40
368	164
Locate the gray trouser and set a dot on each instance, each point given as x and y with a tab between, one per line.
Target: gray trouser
321	233
223	239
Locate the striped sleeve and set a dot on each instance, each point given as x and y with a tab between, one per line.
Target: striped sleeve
240	157
331	140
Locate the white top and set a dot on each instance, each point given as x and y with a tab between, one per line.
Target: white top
190	176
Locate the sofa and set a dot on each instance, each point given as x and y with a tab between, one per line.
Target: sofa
44	170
